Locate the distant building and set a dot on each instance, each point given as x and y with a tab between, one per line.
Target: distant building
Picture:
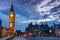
37	30
56	29
3	31
0	28
18	32
57	32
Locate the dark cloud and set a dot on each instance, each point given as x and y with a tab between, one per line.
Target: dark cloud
55	9
26	7
36	2
45	16
52	1
32	2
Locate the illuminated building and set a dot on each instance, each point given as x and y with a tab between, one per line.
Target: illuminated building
37	30
56	29
4	32
11	20
9	31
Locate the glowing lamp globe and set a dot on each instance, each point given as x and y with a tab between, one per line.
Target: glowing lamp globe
50	30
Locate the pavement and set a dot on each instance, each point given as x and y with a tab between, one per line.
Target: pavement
43	38
36	38
29	38
19	38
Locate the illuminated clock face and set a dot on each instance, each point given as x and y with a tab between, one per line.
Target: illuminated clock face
11	15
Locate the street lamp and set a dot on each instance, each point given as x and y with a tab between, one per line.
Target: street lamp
50	31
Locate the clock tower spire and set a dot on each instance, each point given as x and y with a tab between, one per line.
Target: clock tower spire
11	20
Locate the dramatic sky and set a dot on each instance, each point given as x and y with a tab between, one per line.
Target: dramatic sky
27	11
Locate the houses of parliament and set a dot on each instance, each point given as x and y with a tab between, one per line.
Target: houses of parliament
4	32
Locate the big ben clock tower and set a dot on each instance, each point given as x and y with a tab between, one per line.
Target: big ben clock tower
11	20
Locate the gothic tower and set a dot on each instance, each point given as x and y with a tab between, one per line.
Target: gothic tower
11	20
